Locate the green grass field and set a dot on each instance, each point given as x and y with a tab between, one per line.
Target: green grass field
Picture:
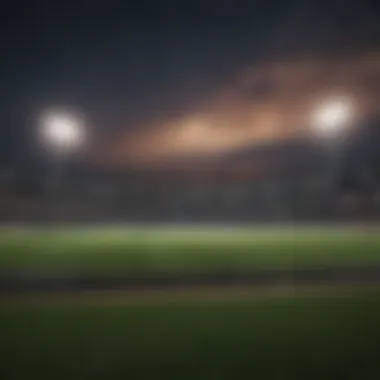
290	337
335	337
155	250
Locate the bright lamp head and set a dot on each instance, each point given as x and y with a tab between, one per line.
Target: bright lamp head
62	131
332	117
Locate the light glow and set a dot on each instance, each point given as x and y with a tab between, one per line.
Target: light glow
62	132
332	117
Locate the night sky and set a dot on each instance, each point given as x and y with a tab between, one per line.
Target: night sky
130	69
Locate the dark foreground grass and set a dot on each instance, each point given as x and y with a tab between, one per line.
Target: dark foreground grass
149	251
336	337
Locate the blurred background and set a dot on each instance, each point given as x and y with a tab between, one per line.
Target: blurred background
135	137
212	112
297	179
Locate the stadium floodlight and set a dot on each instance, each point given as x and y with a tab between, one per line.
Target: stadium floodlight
330	121
331	118
63	133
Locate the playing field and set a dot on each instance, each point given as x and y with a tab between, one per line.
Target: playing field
208	334
335	337
184	250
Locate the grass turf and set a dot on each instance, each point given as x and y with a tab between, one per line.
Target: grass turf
155	250
286	338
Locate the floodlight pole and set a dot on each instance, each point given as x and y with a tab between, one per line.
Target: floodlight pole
56	177
333	151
